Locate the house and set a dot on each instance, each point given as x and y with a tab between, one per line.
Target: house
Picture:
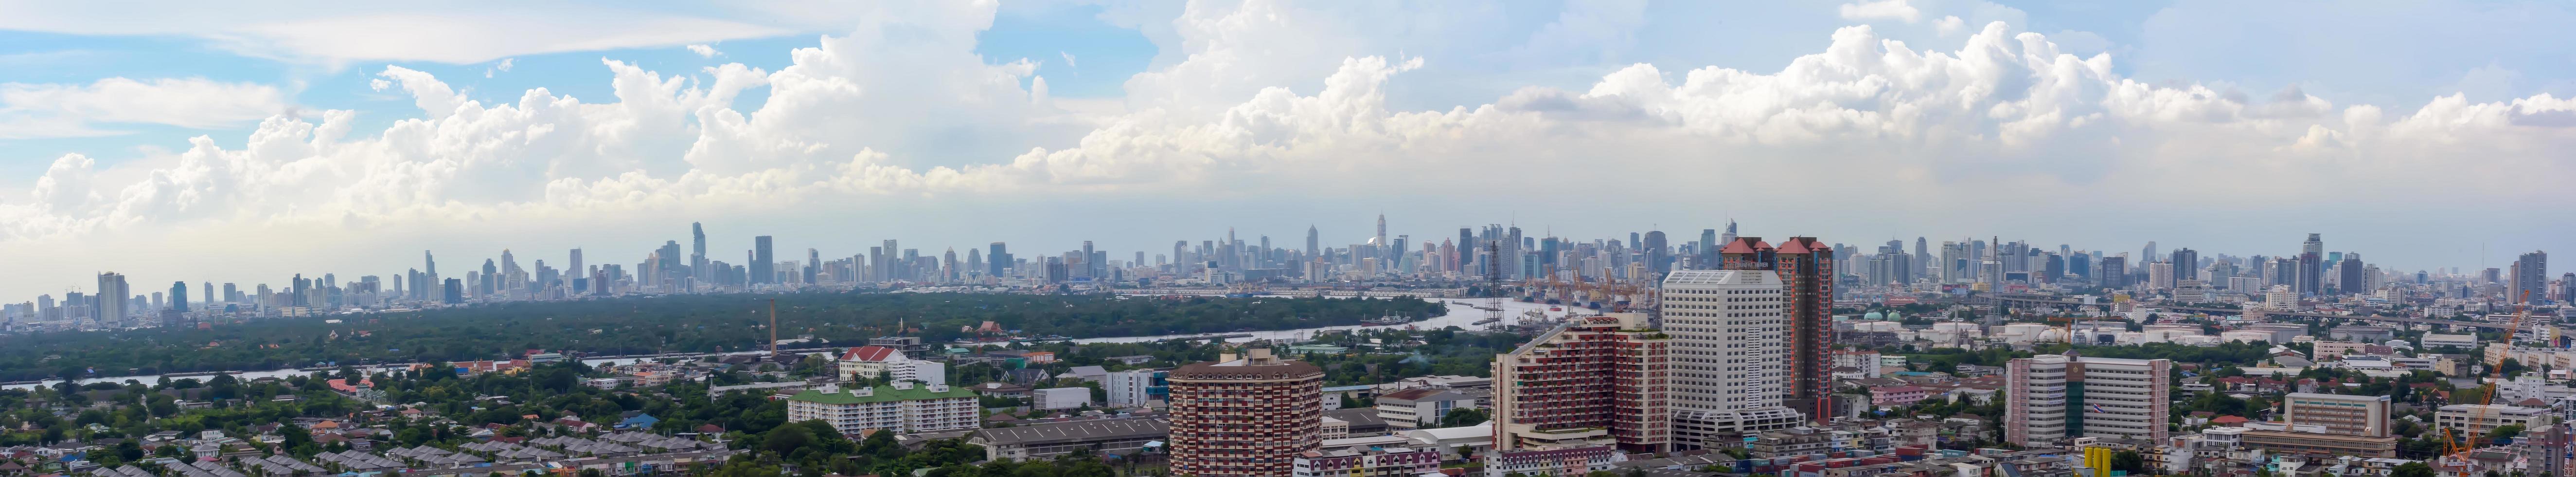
1086	373
866	362
1006	390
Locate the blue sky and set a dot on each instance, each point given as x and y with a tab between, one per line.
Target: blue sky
2296	116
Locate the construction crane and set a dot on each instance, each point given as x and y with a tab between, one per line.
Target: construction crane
2486	387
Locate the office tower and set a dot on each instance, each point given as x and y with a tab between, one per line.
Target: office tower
999	259
2343	414
890	266
1244	417
1314	242
1551	392
813	263
2186	264
2311	265
1381	230
2050	398
2148	254
113	303
2349	277
697	251
1705	257
210	297
1659	258
179	296
1806	273
1730	358
764	267
454	292
1091	268
2528	273
2112	272
2080	266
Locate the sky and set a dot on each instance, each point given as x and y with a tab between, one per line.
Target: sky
190	142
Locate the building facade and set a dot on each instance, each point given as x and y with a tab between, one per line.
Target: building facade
1805	269
1594	381
899	407
2049	398
1244	417
2342	414
1730	353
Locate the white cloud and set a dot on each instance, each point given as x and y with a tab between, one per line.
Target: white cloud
444	33
900	123
1950	25
1068	59
67	110
503	67
1881	10
705	51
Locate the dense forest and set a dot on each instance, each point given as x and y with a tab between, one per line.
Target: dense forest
644	325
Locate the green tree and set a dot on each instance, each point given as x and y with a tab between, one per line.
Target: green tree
2412	469
1463	418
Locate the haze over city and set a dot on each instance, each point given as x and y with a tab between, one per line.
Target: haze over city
191	144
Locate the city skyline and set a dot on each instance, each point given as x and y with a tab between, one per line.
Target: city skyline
263	152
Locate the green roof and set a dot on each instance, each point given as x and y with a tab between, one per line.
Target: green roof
883	394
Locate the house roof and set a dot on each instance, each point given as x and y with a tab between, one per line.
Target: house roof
881	394
1421	394
1078	431
868	353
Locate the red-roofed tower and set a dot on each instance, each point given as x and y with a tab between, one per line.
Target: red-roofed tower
1806	269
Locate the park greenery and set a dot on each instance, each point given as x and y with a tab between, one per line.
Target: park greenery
658	324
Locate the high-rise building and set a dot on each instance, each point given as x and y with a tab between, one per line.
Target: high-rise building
1552	392
115	301
1314	242
1659	258
2050	398
2312	265
2528	273
2349	277
697	252
2344	414
1806	273
179	296
2186	264
764	266
999	260
2112	272
1730	356
1244	417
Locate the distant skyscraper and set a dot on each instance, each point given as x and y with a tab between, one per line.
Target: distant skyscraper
179	296
1314	242
1659	258
1381	230
2186	264
2148	254
115	301
2311	265
764	266
697	251
999	260
2349	275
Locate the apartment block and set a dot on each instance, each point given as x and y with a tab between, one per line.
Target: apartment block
2050	398
2343	414
899	407
1244	417
1591	382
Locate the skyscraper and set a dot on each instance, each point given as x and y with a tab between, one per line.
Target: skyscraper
697	251
2312	265
764	266
1659	258
2528	273
1314	242
1806	270
2186	264
2349	276
1244	417
999	260
1729	355
115	301
179	296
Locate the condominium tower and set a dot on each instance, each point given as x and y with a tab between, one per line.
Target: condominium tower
2049	398
1244	417
1730	369
1591	382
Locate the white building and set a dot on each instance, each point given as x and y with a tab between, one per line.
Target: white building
2049	398
2462	341
1138	387
899	407
1060	398
1729	353
2477	419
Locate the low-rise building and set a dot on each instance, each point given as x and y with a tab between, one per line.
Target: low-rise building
1060	398
2477	419
1366	461
1420	407
899	407
2289	441
1045	441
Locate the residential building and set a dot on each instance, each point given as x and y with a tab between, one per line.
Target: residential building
1805	269
1550	392
2343	414
1420	407
1572	461
899	407
1244	417
2049	398
1366	461
2290	441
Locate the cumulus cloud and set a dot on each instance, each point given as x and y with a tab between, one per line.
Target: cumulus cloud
1881	10
904	116
704	51
61	110
435	33
503	66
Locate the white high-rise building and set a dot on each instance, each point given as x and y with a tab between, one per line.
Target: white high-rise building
1729	353
113	300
